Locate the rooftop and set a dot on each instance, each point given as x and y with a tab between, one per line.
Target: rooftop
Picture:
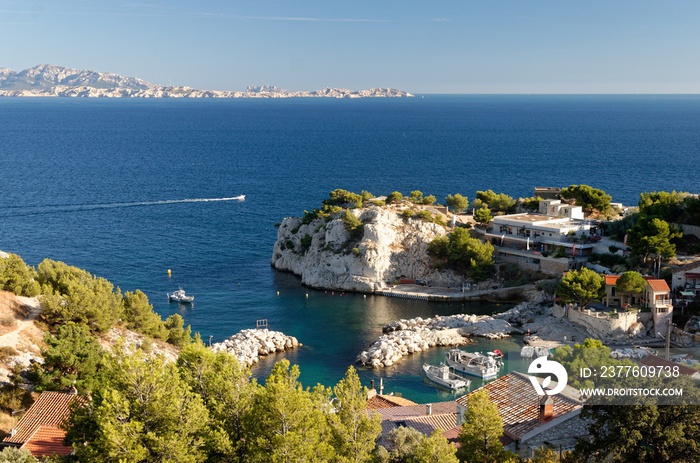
48	412
47	441
386	401
518	403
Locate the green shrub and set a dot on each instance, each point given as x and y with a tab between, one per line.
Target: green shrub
408	213
72	294
177	334
353	224
289	244
18	277
305	242
394	197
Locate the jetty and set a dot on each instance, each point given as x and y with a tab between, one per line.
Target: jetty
249	345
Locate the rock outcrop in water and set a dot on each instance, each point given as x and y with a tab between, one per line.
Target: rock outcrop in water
326	255
406	337
249	345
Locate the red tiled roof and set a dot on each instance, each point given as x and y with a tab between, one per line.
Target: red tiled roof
49	410
429	423
657	285
611	280
47	441
412	411
656	361
387	401
518	403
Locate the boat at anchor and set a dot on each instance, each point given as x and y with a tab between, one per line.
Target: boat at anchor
475	363
444	377
180	296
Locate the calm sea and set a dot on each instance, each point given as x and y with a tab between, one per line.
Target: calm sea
92	183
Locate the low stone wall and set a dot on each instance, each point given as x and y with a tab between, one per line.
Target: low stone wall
602	325
249	345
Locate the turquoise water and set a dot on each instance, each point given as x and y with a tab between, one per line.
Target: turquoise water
68	166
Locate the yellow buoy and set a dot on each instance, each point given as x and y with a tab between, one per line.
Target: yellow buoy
278	293
170	273
307	295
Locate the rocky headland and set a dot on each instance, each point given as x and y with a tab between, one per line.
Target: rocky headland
390	247
48	80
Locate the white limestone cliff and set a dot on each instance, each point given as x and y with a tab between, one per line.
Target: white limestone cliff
47	80
391	248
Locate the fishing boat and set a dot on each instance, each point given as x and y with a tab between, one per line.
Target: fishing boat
180	296
444	377
475	363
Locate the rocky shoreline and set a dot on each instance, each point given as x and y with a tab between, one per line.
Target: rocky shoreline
249	345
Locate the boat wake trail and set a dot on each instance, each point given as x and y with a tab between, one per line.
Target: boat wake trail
58	208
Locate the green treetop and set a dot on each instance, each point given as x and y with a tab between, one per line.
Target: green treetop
482	429
354	431
587	197
290	422
18	277
652	236
227	391
498	202
142	411
482	215
580	286
457	202
630	283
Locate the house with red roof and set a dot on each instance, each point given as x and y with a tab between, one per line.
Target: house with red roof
656	296
39	430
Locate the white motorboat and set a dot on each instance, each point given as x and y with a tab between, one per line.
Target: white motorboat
475	363
444	377
180	296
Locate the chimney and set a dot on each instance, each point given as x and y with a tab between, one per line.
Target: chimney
546	409
371	384
428	409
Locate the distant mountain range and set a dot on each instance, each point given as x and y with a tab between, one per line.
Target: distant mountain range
51	80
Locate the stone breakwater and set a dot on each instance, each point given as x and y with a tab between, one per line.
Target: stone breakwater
405	337
249	345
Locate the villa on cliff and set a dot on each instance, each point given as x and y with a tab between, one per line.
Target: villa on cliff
655	297
555	239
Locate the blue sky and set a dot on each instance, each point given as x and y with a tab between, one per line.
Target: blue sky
461	46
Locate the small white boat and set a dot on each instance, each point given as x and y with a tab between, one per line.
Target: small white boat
180	296
475	363
444	377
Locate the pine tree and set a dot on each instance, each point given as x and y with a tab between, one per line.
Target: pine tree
290	426
353	429
482	429
142	411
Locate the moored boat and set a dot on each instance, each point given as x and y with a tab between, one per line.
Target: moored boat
475	363
444	377
180	296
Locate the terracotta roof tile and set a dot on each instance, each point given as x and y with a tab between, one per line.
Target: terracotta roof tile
386	401
518	403
611	280
429	423
657	285
47	441
412	411
50	409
